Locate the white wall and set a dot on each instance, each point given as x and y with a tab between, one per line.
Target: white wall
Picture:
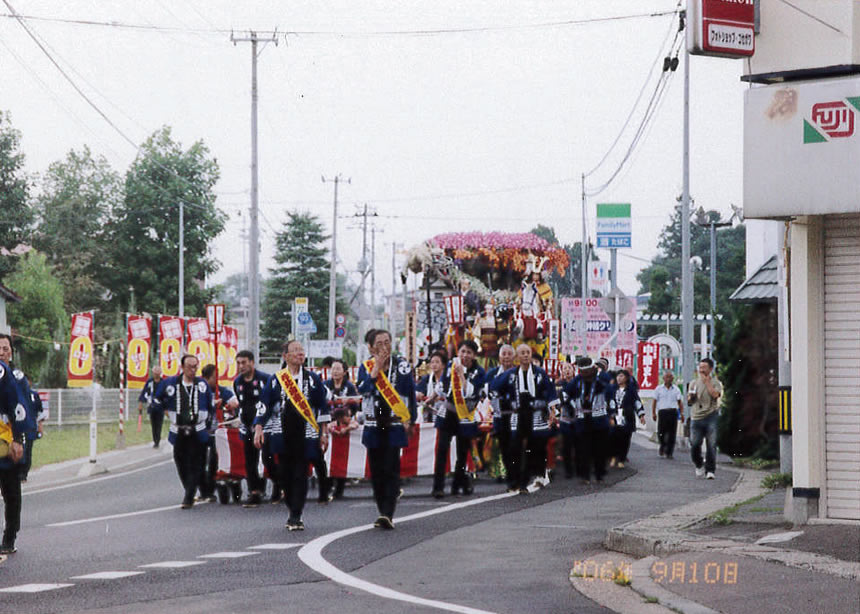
791	40
4	325
762	237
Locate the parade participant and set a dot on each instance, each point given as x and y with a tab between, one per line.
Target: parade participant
531	394
41	414
296	403
188	402
592	402
339	386
429	391
703	396
25	398
566	420
250	387
388	386
13	420
628	407
463	381
225	402
342	425
502	411
666	409
603	372
156	418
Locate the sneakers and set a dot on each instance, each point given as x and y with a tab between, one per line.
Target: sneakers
700	471
187	504
384	522
253	500
8	545
295	524
710	475
438	494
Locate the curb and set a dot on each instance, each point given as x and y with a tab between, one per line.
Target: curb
666	533
642	583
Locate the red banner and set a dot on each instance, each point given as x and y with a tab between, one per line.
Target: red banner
199	342
228	346
80	366
139	330
170	333
648	373
624	359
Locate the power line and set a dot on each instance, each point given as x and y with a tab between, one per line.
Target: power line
339	33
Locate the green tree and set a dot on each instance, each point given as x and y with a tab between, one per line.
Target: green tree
53	373
77	196
662	278
144	231
301	269
41	311
14	193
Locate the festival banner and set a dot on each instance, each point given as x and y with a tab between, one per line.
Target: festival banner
228	346
624	359
199	342
170	336
139	336
80	366
648	372
585	328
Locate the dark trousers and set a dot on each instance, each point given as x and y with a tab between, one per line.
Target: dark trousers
443	449
294	483
504	438
591	445
567	452
339	485
620	443
256	484
27	461
321	471
210	466
156	420
667	429
385	477
10	488
529	458
188	457
704	430
270	464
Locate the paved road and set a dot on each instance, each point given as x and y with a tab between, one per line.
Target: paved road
509	554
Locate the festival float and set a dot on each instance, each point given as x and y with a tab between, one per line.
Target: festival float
494	287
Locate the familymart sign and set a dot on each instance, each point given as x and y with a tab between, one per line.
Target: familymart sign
614	227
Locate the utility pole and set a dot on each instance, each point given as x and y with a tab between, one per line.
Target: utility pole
332	277
254	244
181	259
362	304
584	247
686	276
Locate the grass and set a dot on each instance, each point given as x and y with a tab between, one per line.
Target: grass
651	600
724	516
64	443
776	480
754	462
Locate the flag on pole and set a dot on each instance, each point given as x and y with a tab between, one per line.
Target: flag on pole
80	365
139	336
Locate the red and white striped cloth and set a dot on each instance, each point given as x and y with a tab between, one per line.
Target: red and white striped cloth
346	456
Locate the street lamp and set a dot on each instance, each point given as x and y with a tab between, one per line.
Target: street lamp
703	220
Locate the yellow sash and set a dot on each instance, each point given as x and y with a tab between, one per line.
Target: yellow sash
294	394
383	384
463	412
5	433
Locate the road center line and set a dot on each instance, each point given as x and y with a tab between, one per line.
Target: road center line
311	555
69	523
94	480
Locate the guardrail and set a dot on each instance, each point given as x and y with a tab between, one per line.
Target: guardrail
73	405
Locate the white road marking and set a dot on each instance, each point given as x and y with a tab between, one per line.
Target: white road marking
311	555
33	588
226	555
274	546
172	564
69	523
94	480
108	575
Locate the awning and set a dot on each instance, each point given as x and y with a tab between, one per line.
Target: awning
761	287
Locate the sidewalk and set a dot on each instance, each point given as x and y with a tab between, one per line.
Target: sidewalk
746	560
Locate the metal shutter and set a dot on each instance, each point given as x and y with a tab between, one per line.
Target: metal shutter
842	365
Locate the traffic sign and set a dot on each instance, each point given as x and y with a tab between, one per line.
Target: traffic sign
340	319
340	331
614	227
215	318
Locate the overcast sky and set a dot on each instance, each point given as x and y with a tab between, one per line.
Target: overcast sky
484	124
